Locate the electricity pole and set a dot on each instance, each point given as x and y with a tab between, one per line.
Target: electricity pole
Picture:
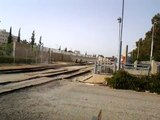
120	20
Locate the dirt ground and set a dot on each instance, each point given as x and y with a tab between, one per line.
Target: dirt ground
97	79
65	100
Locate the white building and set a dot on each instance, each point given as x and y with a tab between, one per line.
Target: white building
4	36
100	58
77	52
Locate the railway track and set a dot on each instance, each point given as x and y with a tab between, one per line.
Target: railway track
12	82
28	69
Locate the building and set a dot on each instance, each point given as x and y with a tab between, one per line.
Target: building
110	60
100	59
77	52
4	36
107	60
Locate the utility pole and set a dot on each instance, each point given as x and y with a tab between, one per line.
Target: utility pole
152	43
119	59
138	50
126	53
120	20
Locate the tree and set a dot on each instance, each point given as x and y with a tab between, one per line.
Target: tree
60	48
19	35
40	44
156	47
65	49
145	44
25	41
33	39
85	53
40	41
10	39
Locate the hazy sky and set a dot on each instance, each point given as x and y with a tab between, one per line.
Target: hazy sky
85	25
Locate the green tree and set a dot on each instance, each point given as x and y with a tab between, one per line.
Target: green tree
40	41
60	48
10	39
156	47
65	49
40	44
33	39
25	41
2	49
85	53
145	44
19	35
9	49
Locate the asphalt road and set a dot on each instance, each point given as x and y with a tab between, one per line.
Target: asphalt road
65	100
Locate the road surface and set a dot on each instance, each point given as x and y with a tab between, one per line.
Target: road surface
66	100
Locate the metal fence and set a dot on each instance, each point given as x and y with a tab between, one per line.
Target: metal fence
137	69
103	68
39	54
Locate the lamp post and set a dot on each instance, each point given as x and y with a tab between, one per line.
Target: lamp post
120	42
120	20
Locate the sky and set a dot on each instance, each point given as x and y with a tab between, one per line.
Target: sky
86	25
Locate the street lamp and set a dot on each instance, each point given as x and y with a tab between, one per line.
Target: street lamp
120	20
120	42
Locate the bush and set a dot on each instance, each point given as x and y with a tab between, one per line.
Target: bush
154	84
124	80
120	80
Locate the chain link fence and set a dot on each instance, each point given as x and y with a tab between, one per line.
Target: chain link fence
24	53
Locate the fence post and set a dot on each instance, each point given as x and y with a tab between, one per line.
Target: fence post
26	55
41	53
95	68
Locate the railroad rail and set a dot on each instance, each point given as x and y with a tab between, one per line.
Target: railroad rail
12	82
26	69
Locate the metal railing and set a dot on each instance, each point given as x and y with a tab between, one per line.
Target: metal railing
102	68
137	69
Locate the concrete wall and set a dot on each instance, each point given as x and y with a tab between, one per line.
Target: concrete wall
155	67
137	72
137	69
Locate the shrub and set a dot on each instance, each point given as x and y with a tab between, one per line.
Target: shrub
154	83
124	80
120	80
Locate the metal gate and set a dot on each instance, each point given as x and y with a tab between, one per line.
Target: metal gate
102	68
